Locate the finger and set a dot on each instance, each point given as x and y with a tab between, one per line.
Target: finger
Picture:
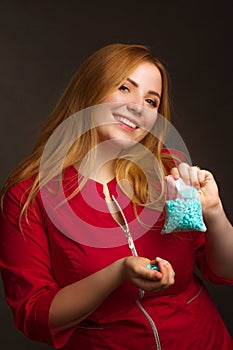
164	263
152	274
167	272
171	187
206	177
169	277
184	172
201	176
149	272
175	173
193	175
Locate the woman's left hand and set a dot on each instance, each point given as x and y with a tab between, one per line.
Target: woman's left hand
203	181
219	239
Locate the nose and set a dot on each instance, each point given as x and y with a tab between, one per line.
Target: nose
135	109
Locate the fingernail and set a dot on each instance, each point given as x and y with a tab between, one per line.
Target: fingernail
165	262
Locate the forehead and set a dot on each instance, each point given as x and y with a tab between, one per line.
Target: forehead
148	75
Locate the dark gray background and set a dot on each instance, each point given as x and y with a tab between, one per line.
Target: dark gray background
43	43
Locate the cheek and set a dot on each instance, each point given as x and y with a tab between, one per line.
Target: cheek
149	122
106	132
113	98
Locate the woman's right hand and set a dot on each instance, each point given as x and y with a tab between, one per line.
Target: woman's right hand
136	271
75	302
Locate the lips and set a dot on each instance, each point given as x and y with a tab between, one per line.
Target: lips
126	121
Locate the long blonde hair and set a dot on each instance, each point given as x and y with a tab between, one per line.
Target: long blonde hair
100	75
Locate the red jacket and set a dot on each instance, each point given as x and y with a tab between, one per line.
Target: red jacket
37	263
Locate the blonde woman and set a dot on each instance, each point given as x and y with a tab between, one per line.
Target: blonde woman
82	218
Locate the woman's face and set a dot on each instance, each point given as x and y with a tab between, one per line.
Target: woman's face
131	111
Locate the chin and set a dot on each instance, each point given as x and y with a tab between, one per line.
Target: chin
122	143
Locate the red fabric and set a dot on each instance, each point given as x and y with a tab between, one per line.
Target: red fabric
37	263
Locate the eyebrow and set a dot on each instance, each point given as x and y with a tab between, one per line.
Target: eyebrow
152	92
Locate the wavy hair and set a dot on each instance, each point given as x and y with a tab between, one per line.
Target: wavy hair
99	75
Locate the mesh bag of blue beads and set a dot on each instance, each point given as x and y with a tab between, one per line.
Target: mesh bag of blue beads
182	207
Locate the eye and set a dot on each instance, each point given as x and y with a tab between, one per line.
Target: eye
153	103
124	88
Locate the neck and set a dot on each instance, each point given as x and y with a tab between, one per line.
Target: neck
102	169
105	173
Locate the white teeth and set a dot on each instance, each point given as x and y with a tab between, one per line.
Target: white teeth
127	122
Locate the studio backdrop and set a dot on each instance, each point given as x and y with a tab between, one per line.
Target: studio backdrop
44	42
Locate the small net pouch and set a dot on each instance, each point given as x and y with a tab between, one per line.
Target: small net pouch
183	208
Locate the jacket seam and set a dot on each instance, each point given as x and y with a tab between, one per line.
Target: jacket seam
195	296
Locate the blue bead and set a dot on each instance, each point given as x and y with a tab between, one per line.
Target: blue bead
153	267
183	215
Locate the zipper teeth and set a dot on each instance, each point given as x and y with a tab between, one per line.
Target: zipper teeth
132	247
153	326
125	228
122	214
129	237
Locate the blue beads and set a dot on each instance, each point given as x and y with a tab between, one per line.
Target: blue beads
183	215
153	267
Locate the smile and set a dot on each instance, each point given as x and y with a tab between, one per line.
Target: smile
127	122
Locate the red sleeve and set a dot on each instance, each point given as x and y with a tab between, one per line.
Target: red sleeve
199	242
25	264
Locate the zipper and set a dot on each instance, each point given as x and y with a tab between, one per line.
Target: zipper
132	247
125	228
152	324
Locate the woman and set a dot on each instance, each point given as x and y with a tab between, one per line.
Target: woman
76	276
